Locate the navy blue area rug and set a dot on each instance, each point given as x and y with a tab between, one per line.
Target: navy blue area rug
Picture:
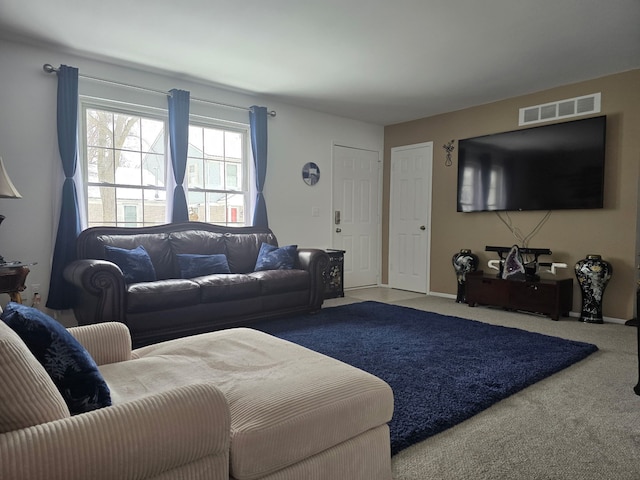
442	369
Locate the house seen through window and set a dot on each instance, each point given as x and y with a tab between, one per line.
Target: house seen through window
125	155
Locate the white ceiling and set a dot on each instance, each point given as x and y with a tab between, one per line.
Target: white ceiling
381	61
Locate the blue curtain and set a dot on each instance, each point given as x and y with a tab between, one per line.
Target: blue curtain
179	143
258	123
62	294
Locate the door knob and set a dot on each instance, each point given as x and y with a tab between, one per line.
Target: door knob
338	230
422	227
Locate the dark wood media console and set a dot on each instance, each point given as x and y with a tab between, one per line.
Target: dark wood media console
549	297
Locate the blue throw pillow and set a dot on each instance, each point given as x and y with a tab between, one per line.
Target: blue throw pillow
274	258
194	265
135	264
72	369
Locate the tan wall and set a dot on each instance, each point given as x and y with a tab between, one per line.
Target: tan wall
571	235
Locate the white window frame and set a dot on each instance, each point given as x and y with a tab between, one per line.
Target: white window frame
88	102
245	170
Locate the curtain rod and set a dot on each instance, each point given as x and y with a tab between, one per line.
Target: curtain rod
47	67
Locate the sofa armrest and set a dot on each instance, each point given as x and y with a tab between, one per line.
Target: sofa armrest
101	289
136	440
108	342
316	262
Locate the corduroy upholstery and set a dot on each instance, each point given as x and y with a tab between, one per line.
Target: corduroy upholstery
235	404
28	396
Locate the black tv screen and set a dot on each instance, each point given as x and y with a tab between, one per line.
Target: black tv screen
552	167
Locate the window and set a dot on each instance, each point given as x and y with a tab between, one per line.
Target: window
217	191
125	163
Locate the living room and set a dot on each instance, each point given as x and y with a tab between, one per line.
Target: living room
28	231
303	215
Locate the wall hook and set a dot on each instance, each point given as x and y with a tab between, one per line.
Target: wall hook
448	147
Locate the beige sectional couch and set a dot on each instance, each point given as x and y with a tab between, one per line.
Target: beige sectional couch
232	404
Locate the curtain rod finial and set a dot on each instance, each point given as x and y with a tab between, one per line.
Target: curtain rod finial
272	113
47	67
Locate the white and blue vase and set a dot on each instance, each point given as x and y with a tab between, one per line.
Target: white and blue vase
593	274
463	262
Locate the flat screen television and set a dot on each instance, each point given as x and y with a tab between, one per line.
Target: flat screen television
551	167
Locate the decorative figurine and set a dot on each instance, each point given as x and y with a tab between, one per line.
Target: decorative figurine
463	262
593	274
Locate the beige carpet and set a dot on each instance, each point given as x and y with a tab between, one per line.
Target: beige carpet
581	423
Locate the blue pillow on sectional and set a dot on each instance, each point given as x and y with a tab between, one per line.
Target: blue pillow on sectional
135	264
274	258
72	369
194	265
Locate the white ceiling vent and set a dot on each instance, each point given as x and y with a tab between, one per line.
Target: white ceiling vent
571	107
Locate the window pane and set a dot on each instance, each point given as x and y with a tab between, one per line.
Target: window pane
217	207
195	142
99	128
152	135
130	216
127	131
194	175
213	143
126	200
102	205
129	171
101	167
233	146
153	170
214	174
236	210
155	205
233	177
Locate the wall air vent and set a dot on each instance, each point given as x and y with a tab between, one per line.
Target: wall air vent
571	107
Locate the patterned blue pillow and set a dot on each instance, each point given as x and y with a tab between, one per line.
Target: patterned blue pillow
194	265
72	369
135	264
274	258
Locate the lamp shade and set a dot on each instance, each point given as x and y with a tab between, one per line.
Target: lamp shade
7	190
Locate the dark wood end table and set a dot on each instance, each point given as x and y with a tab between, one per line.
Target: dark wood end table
12	279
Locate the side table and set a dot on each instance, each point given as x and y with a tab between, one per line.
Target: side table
334	275
12	278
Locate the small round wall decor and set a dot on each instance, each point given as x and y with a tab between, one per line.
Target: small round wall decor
310	173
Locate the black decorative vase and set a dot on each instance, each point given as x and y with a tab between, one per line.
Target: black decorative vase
593	274
463	262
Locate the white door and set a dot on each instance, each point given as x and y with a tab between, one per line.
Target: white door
355	221
410	217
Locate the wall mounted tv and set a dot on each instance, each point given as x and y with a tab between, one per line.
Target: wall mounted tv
552	167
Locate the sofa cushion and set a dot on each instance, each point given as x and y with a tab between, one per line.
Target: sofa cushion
274	258
243	248
161	295
197	241
69	365
287	403
194	265
220	288
156	244
28	395
282	281
135	264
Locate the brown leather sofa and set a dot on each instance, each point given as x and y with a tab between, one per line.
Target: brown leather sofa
171	306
